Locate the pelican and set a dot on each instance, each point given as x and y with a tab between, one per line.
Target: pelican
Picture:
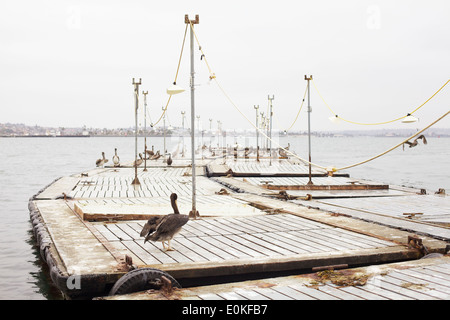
150	225
138	162
116	158
151	152
167	227
101	162
169	160
155	156
415	142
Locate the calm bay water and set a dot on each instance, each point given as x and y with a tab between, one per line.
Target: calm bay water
29	164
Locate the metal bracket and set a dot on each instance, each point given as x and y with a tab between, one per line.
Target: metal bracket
196	21
415	242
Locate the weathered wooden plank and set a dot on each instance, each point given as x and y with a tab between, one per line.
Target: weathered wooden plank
362	293
315	293
231	296
338	293
141	253
250	294
201	241
408	289
118	232
275	246
272	294
199	249
431	281
292	293
238	246
105	232
225	247
278	239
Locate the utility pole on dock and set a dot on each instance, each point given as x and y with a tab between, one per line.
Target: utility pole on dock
145	129
270	129
164	134
194	212
309	131
136	100
257	132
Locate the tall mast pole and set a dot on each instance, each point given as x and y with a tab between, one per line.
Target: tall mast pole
309	131
257	132
136	100
194	212
270	129
145	129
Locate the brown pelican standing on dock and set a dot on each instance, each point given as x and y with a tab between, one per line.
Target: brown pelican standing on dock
167	227
415	142
169	160
101	162
116	159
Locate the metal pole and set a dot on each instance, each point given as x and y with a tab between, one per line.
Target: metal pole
164	134
136	100
194	212
309	132
182	123
145	129
270	130
257	133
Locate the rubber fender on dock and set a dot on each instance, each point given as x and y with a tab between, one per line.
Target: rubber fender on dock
432	255
140	280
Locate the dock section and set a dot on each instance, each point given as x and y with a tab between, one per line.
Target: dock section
426	279
88	224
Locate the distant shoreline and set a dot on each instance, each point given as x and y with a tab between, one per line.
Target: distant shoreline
45	136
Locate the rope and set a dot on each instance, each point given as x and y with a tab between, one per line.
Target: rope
298	113
328	169
394	147
176	76
377	123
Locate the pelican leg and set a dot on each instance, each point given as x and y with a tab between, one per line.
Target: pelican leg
169	247
164	247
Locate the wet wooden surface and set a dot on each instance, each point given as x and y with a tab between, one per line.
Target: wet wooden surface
426	279
243	227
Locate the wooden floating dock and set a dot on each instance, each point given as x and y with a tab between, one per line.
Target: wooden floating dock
252	221
425	279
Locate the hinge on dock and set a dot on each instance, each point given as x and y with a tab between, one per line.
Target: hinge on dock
126	264
415	242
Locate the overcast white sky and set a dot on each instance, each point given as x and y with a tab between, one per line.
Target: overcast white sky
71	63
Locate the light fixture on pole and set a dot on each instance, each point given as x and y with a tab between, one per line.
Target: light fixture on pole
409	119
334	119
174	89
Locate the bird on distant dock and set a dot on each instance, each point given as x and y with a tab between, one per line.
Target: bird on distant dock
116	159
415	142
138	162
150	152
167	227
156	156
169	160
101	162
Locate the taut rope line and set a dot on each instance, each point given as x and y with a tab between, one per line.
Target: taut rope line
330	170
378	123
396	146
176	76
